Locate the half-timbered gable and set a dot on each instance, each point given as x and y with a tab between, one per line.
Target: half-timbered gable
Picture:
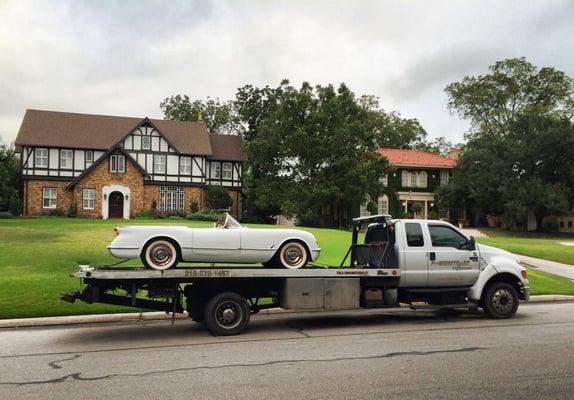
175	161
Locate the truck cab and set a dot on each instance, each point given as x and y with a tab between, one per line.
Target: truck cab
440	265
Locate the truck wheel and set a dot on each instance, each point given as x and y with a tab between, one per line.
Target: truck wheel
293	255
226	314
160	254
500	300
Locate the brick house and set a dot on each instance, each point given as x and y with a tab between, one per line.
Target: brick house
413	178
117	167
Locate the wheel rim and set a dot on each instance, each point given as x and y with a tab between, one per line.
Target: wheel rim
502	301
161	255
228	315
293	255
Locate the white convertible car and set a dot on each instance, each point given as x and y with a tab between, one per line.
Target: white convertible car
162	247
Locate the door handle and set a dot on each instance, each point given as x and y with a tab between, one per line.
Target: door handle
432	256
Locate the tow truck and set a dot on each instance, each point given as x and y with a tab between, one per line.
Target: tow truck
417	263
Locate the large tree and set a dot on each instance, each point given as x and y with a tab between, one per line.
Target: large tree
9	180
517	157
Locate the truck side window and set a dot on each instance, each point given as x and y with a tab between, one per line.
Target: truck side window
414	234
444	236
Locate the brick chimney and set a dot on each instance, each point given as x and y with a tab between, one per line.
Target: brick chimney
453	153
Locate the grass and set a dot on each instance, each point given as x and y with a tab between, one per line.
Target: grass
531	244
37	255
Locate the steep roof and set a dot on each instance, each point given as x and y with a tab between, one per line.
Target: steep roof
227	147
415	158
90	131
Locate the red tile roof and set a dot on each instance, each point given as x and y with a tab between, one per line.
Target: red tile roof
415	158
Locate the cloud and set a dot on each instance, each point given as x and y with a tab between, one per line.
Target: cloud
124	57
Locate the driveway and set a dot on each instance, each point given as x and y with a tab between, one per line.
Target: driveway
360	354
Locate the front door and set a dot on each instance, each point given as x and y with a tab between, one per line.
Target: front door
116	205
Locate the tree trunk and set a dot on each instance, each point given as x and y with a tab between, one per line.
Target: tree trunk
539	218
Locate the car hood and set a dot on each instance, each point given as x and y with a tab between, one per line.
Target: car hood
487	253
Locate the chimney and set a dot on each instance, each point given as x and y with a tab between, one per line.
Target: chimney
453	153
200	116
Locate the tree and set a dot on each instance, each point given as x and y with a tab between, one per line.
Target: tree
493	101
220	117
9	180
518	156
439	146
217	198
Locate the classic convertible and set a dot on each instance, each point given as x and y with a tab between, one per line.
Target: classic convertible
162	247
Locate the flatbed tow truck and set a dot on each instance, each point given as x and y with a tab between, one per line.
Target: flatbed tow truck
421	263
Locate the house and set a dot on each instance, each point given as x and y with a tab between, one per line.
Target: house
413	178
117	167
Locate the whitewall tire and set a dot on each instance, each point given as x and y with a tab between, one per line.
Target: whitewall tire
160	255
293	255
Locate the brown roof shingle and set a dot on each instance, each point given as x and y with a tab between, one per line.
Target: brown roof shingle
227	147
89	131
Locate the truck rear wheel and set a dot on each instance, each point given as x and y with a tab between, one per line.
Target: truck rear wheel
226	314
500	300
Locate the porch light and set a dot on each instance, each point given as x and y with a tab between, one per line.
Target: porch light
127	196
432	204
105	196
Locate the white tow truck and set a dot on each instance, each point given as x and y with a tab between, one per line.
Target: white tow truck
419	263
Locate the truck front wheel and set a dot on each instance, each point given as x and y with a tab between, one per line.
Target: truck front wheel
226	314
500	300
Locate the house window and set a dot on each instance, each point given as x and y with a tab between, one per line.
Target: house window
569	224
422	179
384	180
363	211
41	158
66	159
444	177
49	197
405	178
172	198
185	166
117	163
413	179
146	142
561	224
227	171
215	172
88	199
89	157
159	164
383	205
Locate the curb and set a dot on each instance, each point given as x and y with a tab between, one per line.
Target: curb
161	316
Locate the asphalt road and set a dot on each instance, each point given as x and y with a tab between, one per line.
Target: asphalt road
365	354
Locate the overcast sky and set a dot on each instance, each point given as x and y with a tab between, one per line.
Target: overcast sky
124	57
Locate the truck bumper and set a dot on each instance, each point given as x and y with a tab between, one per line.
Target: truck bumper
525	292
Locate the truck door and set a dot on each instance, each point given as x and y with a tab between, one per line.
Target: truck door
451	262
415	266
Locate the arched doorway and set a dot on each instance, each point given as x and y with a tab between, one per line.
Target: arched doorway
116	205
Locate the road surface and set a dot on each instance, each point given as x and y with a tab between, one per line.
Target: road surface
368	354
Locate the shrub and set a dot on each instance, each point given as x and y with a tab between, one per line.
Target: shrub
194	206
6	215
204	215
55	213
217	198
72	210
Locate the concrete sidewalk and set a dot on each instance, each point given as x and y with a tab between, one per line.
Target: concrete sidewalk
552	267
158	315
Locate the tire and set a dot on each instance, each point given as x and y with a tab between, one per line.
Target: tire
500	300
226	314
293	255
160	254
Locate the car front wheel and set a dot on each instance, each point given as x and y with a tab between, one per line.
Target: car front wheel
160	254
293	255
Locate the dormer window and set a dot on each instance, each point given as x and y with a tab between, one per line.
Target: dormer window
66	159
117	163
41	158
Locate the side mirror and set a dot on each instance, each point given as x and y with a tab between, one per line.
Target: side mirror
472	244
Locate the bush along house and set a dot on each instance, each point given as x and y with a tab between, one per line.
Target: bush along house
117	167
409	186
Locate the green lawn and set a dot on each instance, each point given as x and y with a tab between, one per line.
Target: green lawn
531	244
38	254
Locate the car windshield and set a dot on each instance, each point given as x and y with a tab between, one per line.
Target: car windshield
230	222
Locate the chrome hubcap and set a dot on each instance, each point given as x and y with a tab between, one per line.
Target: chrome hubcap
502	301
161	255
228	315
293	255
